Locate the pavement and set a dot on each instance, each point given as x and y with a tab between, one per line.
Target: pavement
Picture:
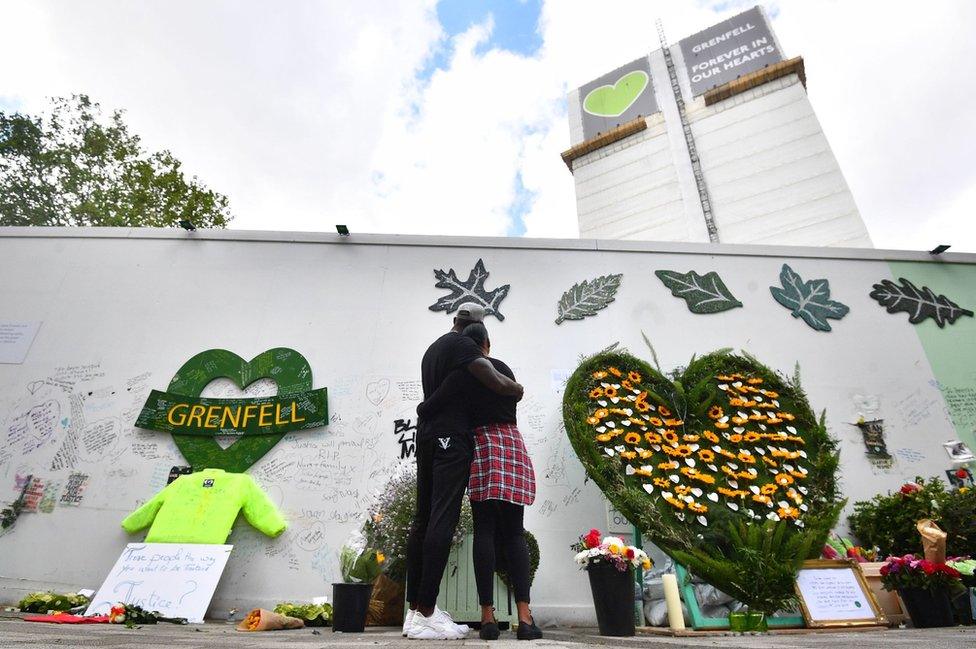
219	635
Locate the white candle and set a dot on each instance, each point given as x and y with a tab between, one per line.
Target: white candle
675	618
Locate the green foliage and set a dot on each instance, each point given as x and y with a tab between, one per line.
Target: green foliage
48	601
311	614
759	564
388	524
360	567
77	167
888	520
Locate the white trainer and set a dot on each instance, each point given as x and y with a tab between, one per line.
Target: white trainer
408	621
444	615
434	627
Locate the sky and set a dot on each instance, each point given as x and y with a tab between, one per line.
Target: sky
448	117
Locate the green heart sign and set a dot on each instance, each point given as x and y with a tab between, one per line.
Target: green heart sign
613	101
260	422
725	440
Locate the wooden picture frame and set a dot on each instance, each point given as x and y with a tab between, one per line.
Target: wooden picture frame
821	611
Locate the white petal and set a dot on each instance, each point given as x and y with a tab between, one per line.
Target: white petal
667	494
611	424
605	384
601	429
732	465
602	402
745	452
628	411
783	504
742	415
733	506
799	523
615	399
609	451
647	467
757	398
694	447
679	516
649	488
724	419
803	454
737	384
697	492
760	451
716	448
689	461
620	448
712	467
738	429
723	386
791	430
713	497
753	472
773	516
803	507
734	484
636	391
802	490
775	403
688	499
615	386
629	470
656	447
754	489
703	520
675	479
761	427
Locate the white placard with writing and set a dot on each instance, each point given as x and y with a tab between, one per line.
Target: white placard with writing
16	339
174	579
834	594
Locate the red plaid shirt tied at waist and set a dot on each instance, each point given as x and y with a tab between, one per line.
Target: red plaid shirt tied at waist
501	468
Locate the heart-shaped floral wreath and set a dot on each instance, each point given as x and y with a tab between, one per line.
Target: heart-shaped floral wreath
724	440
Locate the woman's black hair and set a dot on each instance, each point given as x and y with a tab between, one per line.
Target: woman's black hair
476	332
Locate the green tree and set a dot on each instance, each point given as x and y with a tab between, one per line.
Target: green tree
76	166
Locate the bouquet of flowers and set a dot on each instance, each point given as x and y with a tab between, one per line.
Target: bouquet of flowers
911	572
591	548
358	563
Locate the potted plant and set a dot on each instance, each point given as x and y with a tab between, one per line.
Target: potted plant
925	587
610	564
360	566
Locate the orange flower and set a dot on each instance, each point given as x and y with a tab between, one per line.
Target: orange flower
592	421
673	422
683	451
654	421
634	376
735	438
770	394
670	436
629	455
755	381
751	436
601	413
596	393
720	425
732	493
710	436
674	502
738	421
689	438
769	462
695	507
662	483
614	371
642	406
668	466
788	512
626	384
768	489
599	375
783	479
632	438
785	415
603	437
703	477
645	454
762	499
774	420
682	490
611	392
706	455
715	412
748	459
664	411
652	438
723	377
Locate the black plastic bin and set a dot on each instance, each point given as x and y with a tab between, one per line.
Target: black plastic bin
350	602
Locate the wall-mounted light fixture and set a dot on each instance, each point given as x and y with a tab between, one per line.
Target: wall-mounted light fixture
342	230
187	225
939	249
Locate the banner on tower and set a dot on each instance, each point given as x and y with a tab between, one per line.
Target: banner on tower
725	51
617	98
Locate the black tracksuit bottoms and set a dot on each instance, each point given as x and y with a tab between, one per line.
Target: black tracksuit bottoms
443	468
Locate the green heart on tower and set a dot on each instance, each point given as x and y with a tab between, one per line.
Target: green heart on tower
613	101
259	422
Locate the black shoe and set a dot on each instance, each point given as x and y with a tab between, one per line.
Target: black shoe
528	631
489	631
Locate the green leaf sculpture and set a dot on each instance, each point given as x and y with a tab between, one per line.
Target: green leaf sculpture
587	297
808	300
704	293
725	441
918	303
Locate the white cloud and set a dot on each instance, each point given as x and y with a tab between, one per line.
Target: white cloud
309	114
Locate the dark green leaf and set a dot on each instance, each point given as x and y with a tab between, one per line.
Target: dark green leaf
703	293
808	300
588	297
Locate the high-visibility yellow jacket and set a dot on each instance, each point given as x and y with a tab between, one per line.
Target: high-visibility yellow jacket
201	508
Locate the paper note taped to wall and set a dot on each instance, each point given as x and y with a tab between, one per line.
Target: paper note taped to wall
175	579
16	339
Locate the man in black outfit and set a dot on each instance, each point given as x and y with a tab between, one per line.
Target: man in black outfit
444	449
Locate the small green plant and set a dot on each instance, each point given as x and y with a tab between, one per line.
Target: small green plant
310	614
48	601
888	520
360	566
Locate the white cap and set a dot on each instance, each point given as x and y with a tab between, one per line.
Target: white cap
471	311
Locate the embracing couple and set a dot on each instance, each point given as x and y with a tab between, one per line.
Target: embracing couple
468	439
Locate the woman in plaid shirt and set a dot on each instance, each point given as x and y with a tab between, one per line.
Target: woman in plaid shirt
502	483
